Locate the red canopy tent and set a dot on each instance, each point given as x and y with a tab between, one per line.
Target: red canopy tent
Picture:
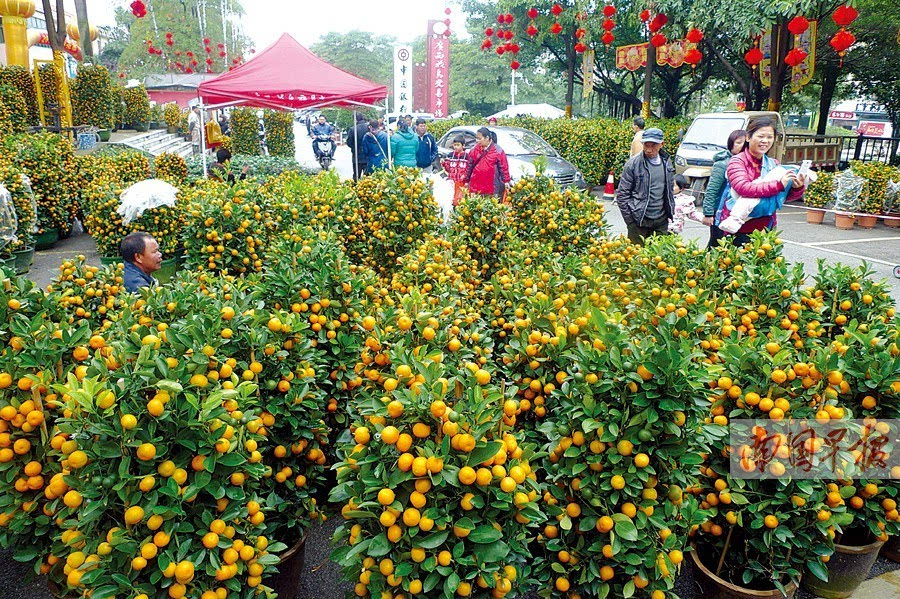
286	76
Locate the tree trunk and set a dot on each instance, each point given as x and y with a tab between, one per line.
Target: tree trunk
84	30
570	77
670	103
829	83
56	31
648	81
781	39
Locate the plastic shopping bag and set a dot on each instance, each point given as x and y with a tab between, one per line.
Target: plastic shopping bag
143	196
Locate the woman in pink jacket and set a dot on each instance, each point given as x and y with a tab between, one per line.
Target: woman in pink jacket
488	167
743	174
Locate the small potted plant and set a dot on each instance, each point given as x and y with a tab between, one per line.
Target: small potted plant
157	119
817	196
172	116
874	194
848	189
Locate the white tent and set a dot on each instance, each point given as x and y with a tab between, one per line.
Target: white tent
540	111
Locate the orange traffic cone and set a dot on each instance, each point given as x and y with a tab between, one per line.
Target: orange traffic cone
609	192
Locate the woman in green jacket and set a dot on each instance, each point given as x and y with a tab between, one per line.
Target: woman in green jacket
404	145
716	184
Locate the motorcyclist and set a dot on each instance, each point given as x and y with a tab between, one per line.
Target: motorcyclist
321	129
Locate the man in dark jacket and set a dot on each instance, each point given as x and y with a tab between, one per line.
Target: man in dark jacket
355	137
428	149
142	258
645	195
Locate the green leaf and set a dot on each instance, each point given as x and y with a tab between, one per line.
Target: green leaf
484	452
626	529
493	552
379	546
435	540
485	534
818	569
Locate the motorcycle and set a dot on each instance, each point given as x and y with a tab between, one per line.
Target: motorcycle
324	147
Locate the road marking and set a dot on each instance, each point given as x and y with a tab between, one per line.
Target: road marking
849	255
818	243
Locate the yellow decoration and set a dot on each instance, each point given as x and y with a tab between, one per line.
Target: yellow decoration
15	13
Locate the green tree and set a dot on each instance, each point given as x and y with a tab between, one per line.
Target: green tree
359	52
873	60
183	20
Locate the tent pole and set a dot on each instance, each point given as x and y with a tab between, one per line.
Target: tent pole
203	137
387	130
356	144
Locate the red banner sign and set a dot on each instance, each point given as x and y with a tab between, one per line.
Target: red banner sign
842	115
439	69
871	128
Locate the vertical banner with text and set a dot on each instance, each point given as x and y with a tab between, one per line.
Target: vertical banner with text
403	79
439	65
587	74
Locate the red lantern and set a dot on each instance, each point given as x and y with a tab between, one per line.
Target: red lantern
693	57
447	22
189	70
609	10
169	34
609	25
657	23
608	38
694	36
447	11
189	53
486	44
209	61
121	75
221	45
501	19
645	15
842	41
138	9
489	32
150	51
514	48
208	50
580	33
532	13
223	54
556	10
532	30
500	50
795	57
844	15
509	34
207	41
580	48
798	25
514	65
169	42
556	29
509	19
658	40
754	56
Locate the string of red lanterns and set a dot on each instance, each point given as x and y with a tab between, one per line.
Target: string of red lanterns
843	16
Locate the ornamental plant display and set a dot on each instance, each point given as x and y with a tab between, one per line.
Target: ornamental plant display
51	80
279	132
20	78
14	104
874	194
137	105
49	162
172	114
261	167
559	423
170	167
821	192
245	132
156	114
93	97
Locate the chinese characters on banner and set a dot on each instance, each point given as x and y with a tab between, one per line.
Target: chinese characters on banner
635	56
587	74
403	79
439	67
804	72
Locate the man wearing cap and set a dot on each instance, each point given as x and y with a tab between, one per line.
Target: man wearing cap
645	195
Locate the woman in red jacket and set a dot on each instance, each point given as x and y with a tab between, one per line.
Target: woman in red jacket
488	167
744	174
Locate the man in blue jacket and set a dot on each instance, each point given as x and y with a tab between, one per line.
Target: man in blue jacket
428	149
142	257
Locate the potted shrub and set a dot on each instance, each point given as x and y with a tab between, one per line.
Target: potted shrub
245	132
279	133
21	79
157	119
14	103
170	167
137	107
172	116
818	196
848	190
94	99
874	194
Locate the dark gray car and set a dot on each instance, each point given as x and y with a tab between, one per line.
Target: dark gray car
522	147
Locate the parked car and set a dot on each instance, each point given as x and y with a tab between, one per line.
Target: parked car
522	147
391	118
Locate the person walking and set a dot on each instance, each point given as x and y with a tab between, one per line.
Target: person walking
488	166
428	149
223	123
637	144
645	195
375	147
194	128
404	145
355	135
745	172
716	184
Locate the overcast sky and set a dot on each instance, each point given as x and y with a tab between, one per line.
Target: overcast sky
307	20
